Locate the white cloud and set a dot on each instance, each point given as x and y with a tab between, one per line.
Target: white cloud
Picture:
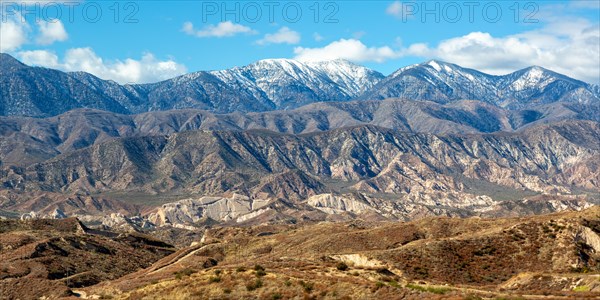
145	70
13	33
39	58
571	48
223	29
283	36
51	32
350	49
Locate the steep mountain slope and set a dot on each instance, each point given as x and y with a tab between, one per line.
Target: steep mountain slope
290	84
364	158
261	86
45	92
24	141
280	84
443	82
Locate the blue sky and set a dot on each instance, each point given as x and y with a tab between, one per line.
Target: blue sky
154	40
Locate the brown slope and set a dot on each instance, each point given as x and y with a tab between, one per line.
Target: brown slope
50	257
432	258
220	161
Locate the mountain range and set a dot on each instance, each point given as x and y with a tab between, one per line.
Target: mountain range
287	141
279	84
299	180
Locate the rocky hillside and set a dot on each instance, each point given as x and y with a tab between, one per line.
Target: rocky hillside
342	173
542	158
24	141
552	256
49	258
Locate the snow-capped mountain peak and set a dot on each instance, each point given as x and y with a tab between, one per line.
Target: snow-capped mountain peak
336	79
444	82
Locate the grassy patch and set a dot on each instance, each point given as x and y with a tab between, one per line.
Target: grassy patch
582	288
429	289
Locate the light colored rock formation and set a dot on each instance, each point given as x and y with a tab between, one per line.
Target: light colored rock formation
332	204
190	211
30	216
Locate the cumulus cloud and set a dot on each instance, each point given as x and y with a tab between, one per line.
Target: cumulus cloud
145	70
51	32
283	36
13	33
42	58
223	29
350	49
571	48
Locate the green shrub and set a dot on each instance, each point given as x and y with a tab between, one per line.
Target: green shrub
308	286
254	285
240	269
342	266
277	296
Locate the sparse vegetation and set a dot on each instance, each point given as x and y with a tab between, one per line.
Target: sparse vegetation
307	286
429	289
184	272
484	260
